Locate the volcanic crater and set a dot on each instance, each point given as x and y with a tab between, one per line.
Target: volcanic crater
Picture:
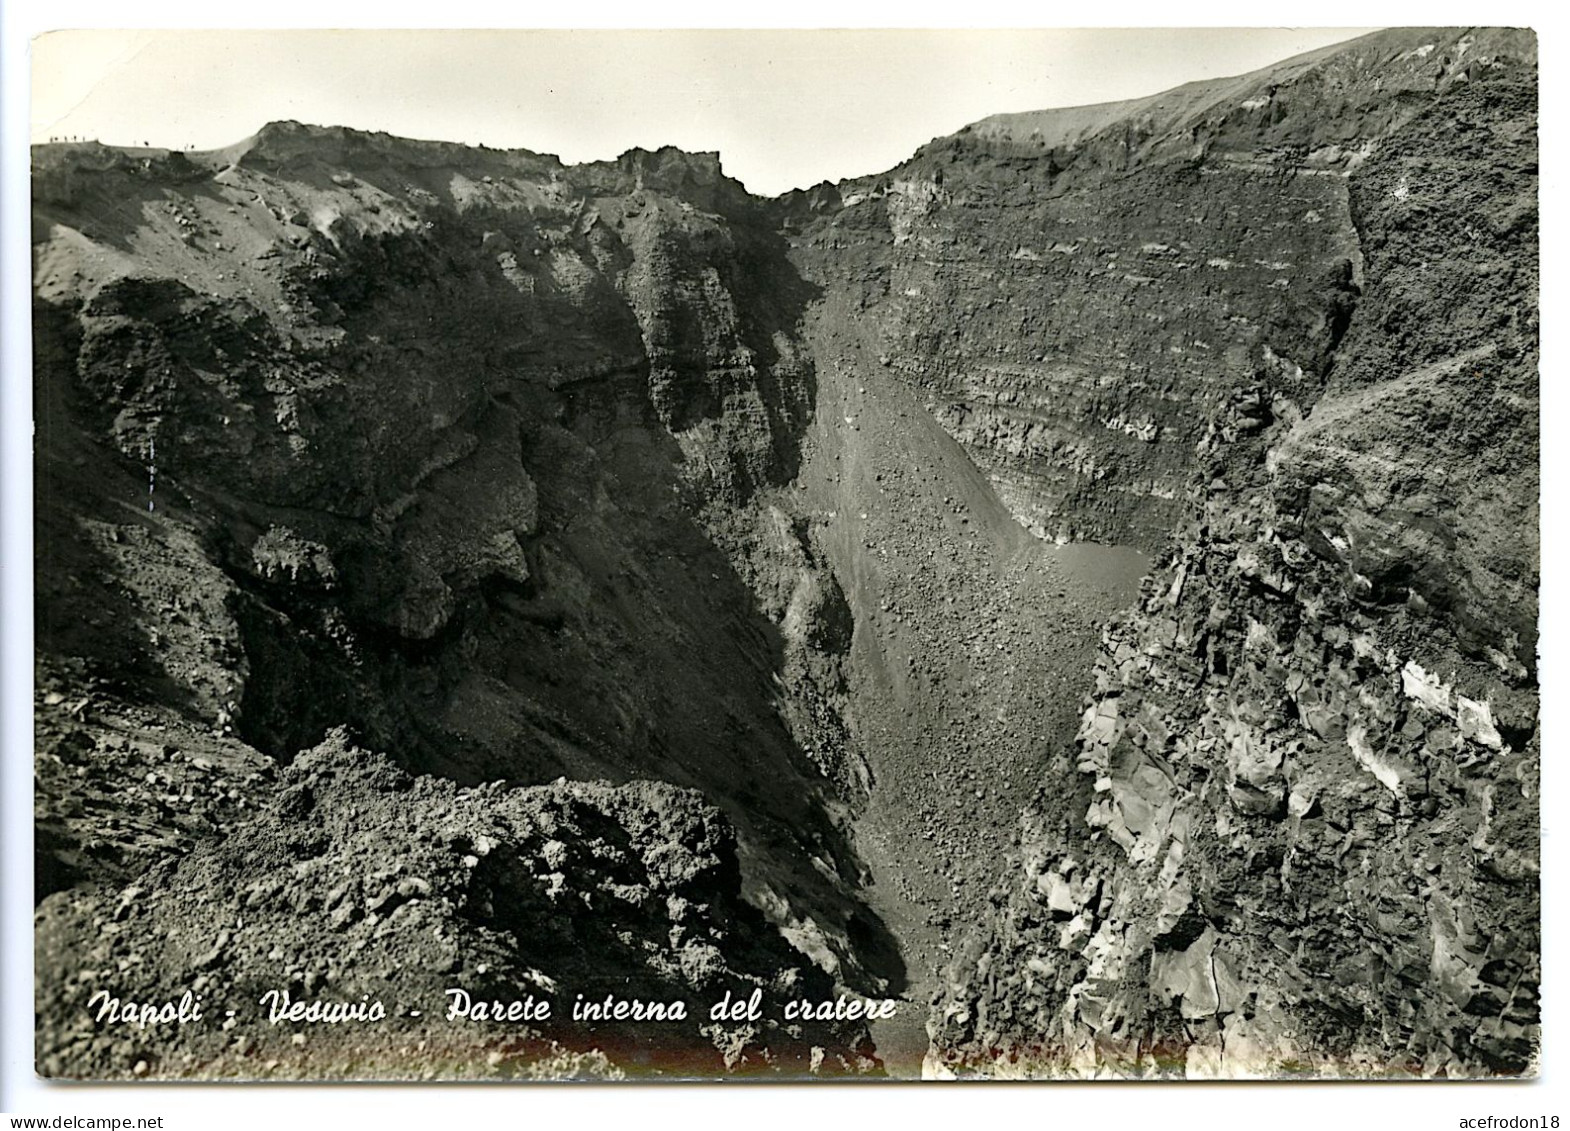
1080	585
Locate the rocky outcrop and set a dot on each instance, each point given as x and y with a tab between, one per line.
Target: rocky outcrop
1304	834
359	883
461	449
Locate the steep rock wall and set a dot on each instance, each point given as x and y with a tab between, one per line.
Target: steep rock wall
1303	836
1071	292
459	449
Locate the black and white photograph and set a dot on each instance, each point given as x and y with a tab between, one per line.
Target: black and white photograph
782	555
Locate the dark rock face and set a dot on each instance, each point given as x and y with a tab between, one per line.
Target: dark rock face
1304	838
461	450
707	511
1073	341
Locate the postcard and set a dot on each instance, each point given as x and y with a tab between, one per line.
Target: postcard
549	568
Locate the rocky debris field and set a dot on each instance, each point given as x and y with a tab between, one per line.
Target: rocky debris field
457	568
970	634
358	882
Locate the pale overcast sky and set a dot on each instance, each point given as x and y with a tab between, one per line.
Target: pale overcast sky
783	108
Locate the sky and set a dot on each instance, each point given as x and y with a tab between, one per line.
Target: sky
784	108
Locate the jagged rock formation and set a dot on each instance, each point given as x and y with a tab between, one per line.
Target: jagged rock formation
465	451
1304	837
743	517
